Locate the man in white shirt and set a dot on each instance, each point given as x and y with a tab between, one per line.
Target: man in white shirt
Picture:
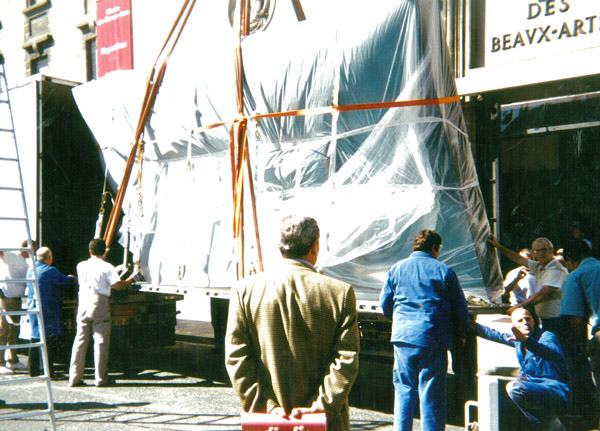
519	284
96	279
549	275
12	267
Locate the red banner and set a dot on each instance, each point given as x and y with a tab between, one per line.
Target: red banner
113	36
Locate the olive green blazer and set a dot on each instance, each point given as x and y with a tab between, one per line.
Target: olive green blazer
292	341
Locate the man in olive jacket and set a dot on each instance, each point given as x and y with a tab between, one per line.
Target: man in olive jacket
292	334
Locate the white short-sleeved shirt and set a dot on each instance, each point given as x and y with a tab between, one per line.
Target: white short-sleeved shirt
525	288
97	274
13	266
554	275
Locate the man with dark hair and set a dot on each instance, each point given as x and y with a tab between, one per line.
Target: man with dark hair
580	302
426	240
25	244
424	298
12	267
519	284
542	390
96	280
50	281
292	334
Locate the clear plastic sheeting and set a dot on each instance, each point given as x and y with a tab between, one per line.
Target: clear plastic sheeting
372	178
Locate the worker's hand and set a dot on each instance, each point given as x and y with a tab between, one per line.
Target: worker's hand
136	275
472	323
299	411
278	411
493	241
522	273
519	336
297	414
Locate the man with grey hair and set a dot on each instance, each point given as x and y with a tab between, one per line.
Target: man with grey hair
50	281
549	275
292	335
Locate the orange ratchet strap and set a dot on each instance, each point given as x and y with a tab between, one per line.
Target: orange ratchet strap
243	157
343	108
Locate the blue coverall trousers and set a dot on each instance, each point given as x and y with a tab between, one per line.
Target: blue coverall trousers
420	374
538	402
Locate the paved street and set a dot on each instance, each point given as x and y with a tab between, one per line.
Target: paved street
189	392
185	387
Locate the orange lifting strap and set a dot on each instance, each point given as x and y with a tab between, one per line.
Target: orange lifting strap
152	85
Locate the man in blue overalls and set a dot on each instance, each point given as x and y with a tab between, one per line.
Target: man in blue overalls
542	391
424	298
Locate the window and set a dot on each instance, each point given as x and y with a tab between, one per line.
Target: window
90	59
37	25
40	64
89	6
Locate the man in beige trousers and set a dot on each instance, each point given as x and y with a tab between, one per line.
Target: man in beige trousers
96	280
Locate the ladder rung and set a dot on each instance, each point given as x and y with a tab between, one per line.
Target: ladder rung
11	189
7	130
24	414
18	249
20	346
13	219
20	380
19	313
8	159
17	280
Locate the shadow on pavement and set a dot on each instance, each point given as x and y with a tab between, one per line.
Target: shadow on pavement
148	419
66	407
183	420
369	425
162	384
188	359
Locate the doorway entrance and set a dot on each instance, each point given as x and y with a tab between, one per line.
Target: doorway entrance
549	169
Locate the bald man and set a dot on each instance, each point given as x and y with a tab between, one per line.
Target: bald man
50	282
542	390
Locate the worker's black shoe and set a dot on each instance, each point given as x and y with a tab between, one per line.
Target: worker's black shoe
78	384
59	377
108	382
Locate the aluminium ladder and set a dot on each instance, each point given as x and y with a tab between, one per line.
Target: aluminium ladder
12	190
